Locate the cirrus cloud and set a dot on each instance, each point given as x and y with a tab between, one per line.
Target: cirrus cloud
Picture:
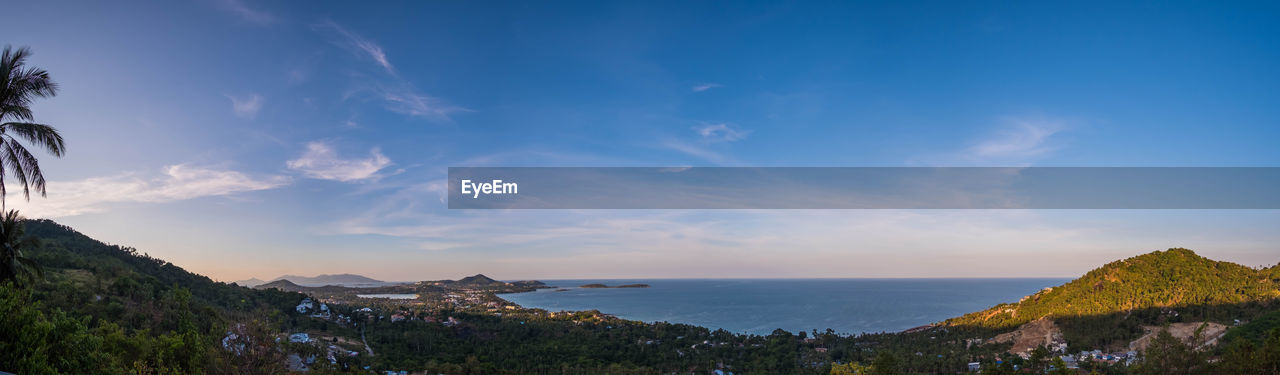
321	161
176	182
705	86
396	93
1022	138
721	132
359	45
247	13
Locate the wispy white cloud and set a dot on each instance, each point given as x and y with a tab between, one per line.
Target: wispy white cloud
176	183
721	132
1022	138
709	137
397	93
246	13
1017	141
320	161
360	45
705	86
407	101
246	106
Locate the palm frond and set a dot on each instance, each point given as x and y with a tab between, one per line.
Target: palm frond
12	221
30	167
19	85
40	134
35	81
14	111
15	164
3	191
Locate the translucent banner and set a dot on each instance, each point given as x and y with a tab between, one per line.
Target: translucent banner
864	188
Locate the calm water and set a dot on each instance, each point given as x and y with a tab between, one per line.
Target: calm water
759	306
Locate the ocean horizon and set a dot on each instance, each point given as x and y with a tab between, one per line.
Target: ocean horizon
759	306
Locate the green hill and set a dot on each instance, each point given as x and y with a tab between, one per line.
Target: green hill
1109	305
110	309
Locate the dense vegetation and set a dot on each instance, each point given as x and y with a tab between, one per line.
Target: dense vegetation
108	308
1108	306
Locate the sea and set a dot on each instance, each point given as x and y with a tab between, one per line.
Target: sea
759	306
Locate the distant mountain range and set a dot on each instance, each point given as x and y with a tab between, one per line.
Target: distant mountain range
344	279
296	283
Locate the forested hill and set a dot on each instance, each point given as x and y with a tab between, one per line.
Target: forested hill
111	309
1150	289
68	252
1273	272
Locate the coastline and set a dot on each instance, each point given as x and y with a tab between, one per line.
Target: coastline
760	306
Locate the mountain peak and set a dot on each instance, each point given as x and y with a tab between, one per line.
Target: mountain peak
478	279
251	282
282	284
1176	253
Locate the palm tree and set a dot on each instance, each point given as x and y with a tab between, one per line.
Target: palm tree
19	86
13	240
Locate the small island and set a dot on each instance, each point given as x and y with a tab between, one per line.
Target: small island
593	286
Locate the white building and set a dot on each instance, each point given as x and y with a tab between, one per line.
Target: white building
304	306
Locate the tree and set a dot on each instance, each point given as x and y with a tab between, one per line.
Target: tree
1168	355
35	342
1003	368
14	265
1038	362
1247	357
885	364
19	86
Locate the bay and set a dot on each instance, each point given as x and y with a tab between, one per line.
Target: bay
758	306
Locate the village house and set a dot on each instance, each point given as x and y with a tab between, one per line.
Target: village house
304	306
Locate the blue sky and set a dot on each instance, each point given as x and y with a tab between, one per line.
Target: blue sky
241	138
